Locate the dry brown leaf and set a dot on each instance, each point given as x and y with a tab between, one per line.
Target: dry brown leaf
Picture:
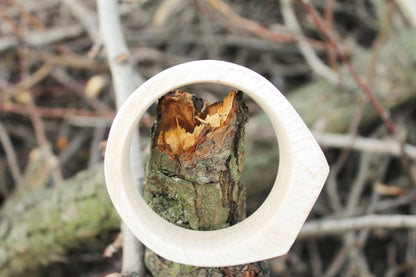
94	86
23	97
388	189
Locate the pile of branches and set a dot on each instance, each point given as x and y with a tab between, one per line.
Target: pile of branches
346	67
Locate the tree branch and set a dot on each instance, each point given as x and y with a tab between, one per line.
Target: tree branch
371	145
337	105
384	115
305	47
38	228
339	226
126	80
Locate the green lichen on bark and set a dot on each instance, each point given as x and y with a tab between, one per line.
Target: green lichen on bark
40	228
198	188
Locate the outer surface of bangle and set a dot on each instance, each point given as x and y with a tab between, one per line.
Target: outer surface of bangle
267	233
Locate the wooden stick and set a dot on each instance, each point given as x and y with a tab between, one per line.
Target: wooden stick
10	156
370	145
337	226
125	80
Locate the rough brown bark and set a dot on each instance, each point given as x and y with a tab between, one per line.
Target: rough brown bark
193	176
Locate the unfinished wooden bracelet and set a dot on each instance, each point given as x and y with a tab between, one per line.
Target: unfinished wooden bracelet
267	233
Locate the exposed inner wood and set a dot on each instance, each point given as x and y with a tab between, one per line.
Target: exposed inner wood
185	120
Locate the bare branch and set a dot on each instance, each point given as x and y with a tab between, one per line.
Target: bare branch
305	47
10	155
409	9
340	226
370	145
85	16
125	81
232	20
42	38
384	115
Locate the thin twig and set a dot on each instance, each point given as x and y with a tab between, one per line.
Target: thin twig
337	262
32	20
359	183
382	34
95	152
41	138
59	113
340	226
395	270
235	21
357	261
315	260
30	81
42	38
329	18
75	61
369	145
11	21
332	187
384	115
85	16
10	155
332	190
33	7
61	75
74	146
37	24
307	50
349	238
37	124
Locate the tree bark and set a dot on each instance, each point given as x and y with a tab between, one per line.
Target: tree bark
193	175
39	228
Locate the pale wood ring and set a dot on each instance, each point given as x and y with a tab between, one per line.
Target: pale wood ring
273	228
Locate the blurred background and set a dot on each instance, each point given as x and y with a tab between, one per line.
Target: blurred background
346	66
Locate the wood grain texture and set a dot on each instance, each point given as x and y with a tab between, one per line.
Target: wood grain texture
272	229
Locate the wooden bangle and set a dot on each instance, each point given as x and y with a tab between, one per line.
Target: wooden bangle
267	233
